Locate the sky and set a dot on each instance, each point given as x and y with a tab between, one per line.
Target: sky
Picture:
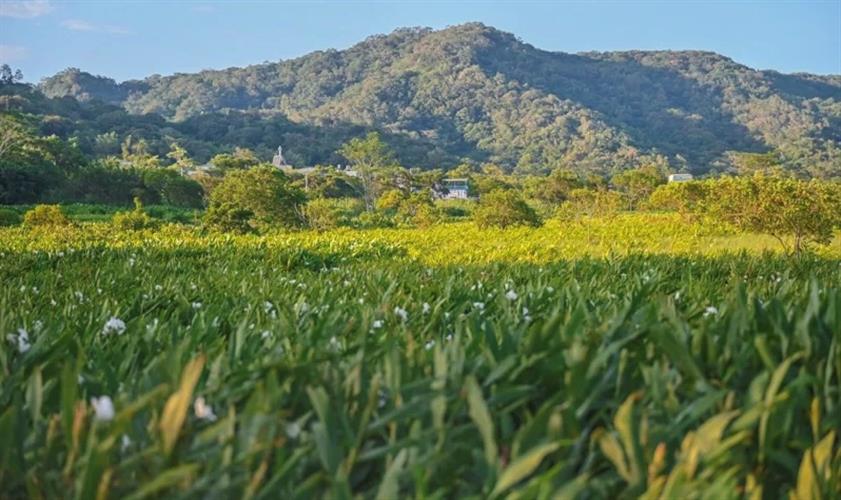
137	38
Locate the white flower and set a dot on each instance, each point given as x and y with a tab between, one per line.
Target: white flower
710	311
38	325
429	345
378	323
525	311
550	289
426	308
265	334
103	408
402	313
125	442
21	339
479	305
196	305
293	430
203	410
114	325
511	295
158	288
268	306
449	337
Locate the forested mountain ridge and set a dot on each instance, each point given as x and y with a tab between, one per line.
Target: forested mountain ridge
472	91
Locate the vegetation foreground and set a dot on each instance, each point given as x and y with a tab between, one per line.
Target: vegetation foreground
632	358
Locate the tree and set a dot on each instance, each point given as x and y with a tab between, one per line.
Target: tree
241	158
8	77
263	191
554	188
804	212
504	208
638	184
367	156
684	198
181	159
752	163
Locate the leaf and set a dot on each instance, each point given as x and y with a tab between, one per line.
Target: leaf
175	410
482	418
814	464
164	480
523	466
390	485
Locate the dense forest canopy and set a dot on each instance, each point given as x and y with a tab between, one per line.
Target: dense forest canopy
471	93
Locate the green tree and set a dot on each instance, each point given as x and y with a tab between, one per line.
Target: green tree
797	213
684	198
241	158
504	208
638	184
265	192
554	188
368	156
181	158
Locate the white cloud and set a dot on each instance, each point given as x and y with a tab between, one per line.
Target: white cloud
81	25
24	9
77	25
12	53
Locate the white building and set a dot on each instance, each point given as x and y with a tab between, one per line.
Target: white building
680	177
455	189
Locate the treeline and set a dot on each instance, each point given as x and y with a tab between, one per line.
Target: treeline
241	194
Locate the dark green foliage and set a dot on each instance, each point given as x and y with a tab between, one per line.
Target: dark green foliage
504	208
173	189
228	218
9	217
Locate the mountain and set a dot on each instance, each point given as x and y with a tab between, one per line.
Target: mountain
474	92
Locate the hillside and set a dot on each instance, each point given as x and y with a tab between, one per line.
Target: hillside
472	91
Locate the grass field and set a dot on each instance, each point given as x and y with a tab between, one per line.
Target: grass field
636	357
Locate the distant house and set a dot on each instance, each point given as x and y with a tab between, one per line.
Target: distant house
680	177
455	189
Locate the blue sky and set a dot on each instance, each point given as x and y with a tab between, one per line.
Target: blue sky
133	39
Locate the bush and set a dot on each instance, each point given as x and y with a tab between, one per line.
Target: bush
390	200
133	220
45	216
228	218
9	217
171	188
321	214
504	208
265	192
371	220
681	197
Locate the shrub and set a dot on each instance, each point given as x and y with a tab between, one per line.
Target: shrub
45	216
263	191
390	200
229	218
681	197
321	214
370	220
9	217
504	208
133	220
